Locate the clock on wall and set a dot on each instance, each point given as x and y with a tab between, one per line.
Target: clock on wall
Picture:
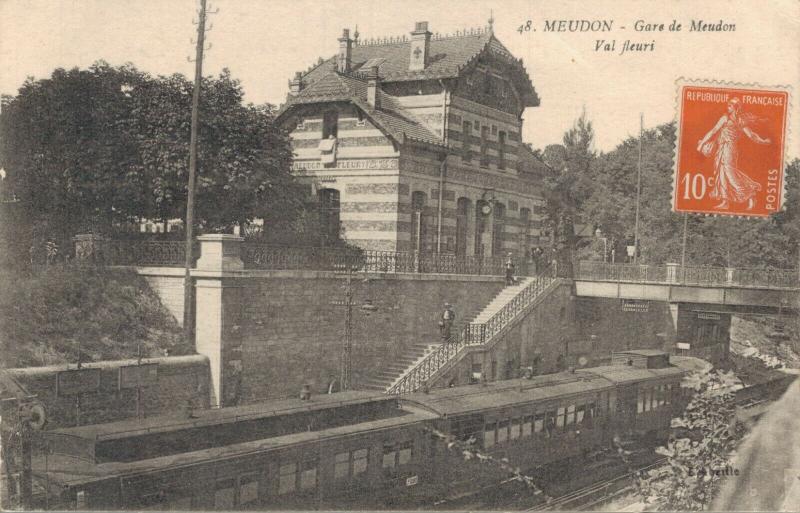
486	209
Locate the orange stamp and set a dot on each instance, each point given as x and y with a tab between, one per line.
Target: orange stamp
730	149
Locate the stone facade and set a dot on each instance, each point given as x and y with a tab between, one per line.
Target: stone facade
399	140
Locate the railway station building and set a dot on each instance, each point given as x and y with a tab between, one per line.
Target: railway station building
413	143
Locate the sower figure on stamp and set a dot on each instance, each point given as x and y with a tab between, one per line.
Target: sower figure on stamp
731	184
446	324
510	270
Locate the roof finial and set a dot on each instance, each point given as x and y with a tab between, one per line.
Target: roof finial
491	21
355	34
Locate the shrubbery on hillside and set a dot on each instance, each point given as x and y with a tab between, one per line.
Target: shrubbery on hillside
52	314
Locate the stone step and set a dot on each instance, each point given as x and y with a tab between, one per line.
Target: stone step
376	388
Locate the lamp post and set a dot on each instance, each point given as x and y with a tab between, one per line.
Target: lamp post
347	348
599	234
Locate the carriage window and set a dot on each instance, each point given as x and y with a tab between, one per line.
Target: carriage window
404	455
223	494
668	394
660	397
502	431
178	504
308	476
580	412
287	481
550	422
360	461
389	457
591	411
341	467
570	418
248	489
538	423
515	429
640	401
489	435
527	426
562	420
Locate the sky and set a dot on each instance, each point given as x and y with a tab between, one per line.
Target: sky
264	42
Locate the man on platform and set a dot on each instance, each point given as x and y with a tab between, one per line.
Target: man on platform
446	324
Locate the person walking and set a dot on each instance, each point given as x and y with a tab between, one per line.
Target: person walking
510	270
446	324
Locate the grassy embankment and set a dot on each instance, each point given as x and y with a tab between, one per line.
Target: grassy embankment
50	315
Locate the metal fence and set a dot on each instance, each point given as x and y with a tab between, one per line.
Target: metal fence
134	252
270	257
688	275
263	256
473	334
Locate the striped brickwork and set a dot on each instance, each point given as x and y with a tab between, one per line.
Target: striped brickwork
427	109
478	116
422	174
376	181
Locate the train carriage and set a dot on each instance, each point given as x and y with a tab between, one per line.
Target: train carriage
353	450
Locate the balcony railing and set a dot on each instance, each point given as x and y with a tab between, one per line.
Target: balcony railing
473	334
263	256
270	257
689	275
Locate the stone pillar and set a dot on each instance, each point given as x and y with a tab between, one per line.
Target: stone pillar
218	302
729	275
88	247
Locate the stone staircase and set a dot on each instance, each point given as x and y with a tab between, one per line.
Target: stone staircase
502	311
389	375
501	300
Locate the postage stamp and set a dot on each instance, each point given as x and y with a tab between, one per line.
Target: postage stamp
730	149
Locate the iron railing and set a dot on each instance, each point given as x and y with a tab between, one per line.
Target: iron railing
134	252
689	275
473	334
263	256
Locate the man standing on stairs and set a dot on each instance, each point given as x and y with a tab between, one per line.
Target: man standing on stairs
510	270
446	324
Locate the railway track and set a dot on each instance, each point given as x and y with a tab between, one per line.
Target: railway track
591	496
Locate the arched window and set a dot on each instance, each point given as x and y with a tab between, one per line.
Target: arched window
483	211
329	215
418	220
498	229
330	124
462	213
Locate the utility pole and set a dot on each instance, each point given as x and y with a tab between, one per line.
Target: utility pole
188	289
683	248
638	192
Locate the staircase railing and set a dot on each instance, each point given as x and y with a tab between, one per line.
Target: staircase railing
473	334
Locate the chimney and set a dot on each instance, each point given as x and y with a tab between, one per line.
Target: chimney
420	47
345	52
296	84
373	82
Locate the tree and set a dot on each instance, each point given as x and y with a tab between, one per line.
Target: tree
88	149
720	241
569	183
696	462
